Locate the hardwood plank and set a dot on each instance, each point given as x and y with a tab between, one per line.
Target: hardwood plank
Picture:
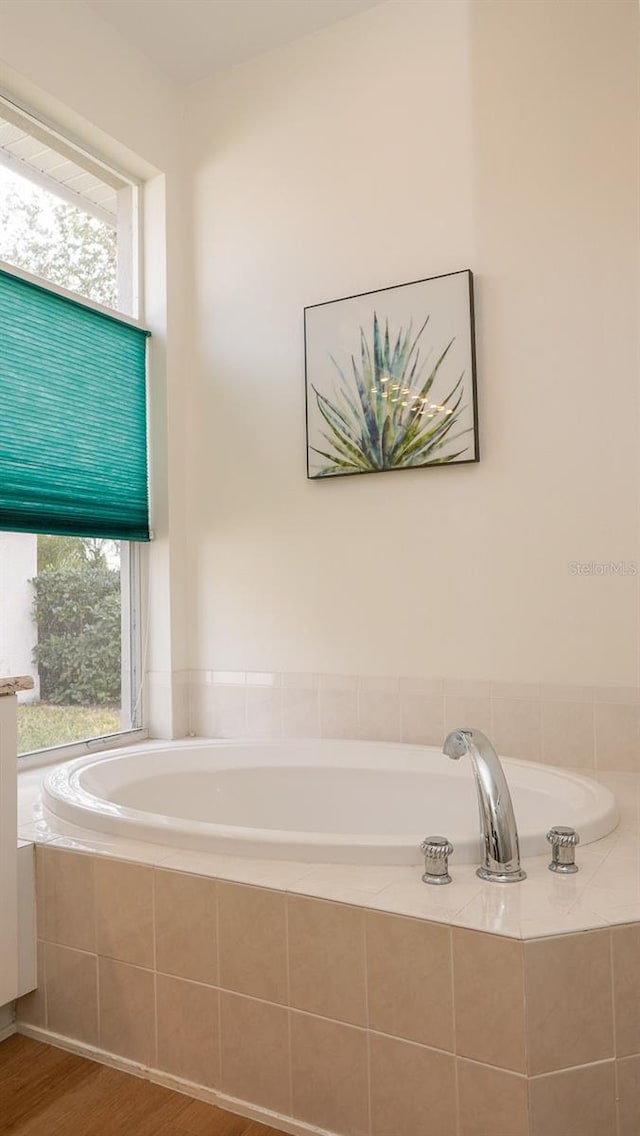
15	1047
125	1105
201	1119
30	1093
19	1056
46	1091
256	1129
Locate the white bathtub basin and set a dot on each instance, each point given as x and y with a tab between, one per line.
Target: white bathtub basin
328	801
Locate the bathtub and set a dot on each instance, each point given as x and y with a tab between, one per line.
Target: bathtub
327	801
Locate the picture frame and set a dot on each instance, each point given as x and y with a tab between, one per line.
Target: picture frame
390	379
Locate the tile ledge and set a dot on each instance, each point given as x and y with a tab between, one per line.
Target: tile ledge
15	684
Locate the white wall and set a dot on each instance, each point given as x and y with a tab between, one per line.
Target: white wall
415	139
18	566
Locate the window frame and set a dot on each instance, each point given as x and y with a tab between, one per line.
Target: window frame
133	556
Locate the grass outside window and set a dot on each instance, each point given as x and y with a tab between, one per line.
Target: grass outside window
41	725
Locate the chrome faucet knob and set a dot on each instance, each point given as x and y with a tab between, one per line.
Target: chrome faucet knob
436	851
563	849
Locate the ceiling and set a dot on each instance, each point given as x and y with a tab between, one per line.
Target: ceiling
192	39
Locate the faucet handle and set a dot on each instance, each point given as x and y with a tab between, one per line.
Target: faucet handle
563	843
436	851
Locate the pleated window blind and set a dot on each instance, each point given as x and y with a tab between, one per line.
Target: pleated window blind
73	421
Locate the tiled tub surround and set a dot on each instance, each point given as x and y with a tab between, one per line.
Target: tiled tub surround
336	1016
354	1000
586	727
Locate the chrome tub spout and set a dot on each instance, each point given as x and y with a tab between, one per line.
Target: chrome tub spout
500	845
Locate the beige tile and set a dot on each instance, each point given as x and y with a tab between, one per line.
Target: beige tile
271	679
629	1096
72	1000
467	688
32	1008
227	711
578	1102
517	728
488	982
255	1052
264	711
410	983
188	1030
124	911
467	711
326	959
338	713
127	1015
491	1101
562	692
412	1089
417	685
186	934
329	1072
202	713
516	690
379	715
378	684
252	941
300	680
68	899
226	678
617	737
422	718
338	682
626	988
568	736
617	694
40	869
300	712
569	1003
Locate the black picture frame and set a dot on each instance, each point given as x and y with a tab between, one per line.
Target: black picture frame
345	365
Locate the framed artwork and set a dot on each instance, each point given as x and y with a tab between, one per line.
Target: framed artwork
391	379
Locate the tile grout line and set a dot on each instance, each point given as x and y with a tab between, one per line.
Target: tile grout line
525	1007
218	980
367	1018
570	1069
155	969
96	945
288	987
615	1030
41	930
456	1059
46	994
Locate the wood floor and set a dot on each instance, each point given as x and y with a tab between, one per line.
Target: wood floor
47	1092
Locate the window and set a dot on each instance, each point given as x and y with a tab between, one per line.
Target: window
69	605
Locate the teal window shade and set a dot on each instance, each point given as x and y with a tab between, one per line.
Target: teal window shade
73	420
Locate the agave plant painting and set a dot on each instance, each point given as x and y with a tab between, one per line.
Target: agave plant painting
391	379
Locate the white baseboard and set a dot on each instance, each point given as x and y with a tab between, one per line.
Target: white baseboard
168	1081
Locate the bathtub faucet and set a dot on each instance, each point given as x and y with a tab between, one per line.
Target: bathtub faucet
500	846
